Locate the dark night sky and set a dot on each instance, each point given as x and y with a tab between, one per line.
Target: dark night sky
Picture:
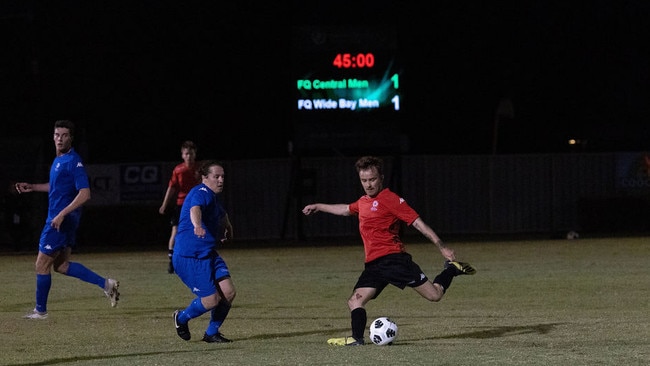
140	77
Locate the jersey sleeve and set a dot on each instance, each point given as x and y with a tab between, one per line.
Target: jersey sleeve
173	180
354	207
79	173
402	209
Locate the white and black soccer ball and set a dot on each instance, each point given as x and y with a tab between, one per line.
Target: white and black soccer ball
383	331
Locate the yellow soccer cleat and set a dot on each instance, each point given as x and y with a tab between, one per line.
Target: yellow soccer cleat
345	341
462	268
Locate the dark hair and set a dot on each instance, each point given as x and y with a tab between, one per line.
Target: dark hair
205	167
64	123
188	145
367	162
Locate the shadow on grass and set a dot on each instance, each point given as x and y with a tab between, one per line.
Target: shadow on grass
108	357
496	332
296	334
99	357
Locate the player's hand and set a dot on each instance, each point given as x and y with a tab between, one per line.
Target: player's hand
309	209
227	235
57	221
23	187
448	253
199	232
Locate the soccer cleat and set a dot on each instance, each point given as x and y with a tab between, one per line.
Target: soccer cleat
170	267
183	330
35	315
460	268
215	338
112	291
345	341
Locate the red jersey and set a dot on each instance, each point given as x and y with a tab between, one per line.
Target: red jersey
183	179
379	222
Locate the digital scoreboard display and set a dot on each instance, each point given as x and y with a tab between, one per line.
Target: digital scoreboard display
349	86
347	83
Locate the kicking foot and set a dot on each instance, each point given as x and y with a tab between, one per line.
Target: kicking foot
460	268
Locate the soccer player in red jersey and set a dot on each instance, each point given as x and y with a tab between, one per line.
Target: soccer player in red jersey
380	213
184	177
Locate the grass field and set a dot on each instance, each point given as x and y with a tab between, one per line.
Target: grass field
538	302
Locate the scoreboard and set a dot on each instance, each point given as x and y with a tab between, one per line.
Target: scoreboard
347	83
356	82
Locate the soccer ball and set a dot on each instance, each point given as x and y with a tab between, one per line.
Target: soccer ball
383	331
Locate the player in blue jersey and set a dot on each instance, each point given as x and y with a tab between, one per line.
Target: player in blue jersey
203	225
68	189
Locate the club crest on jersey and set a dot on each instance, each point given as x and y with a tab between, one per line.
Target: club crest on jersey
374	206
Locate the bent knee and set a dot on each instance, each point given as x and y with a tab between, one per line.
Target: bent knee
434	298
62	268
435	293
356	301
230	297
210	302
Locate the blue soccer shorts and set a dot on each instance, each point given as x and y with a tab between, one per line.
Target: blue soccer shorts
201	276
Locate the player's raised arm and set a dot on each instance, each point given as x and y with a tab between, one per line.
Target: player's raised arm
340	209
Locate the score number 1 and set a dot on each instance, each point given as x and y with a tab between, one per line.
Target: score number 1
395	100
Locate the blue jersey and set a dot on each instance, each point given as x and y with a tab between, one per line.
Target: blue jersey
213	215
67	177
